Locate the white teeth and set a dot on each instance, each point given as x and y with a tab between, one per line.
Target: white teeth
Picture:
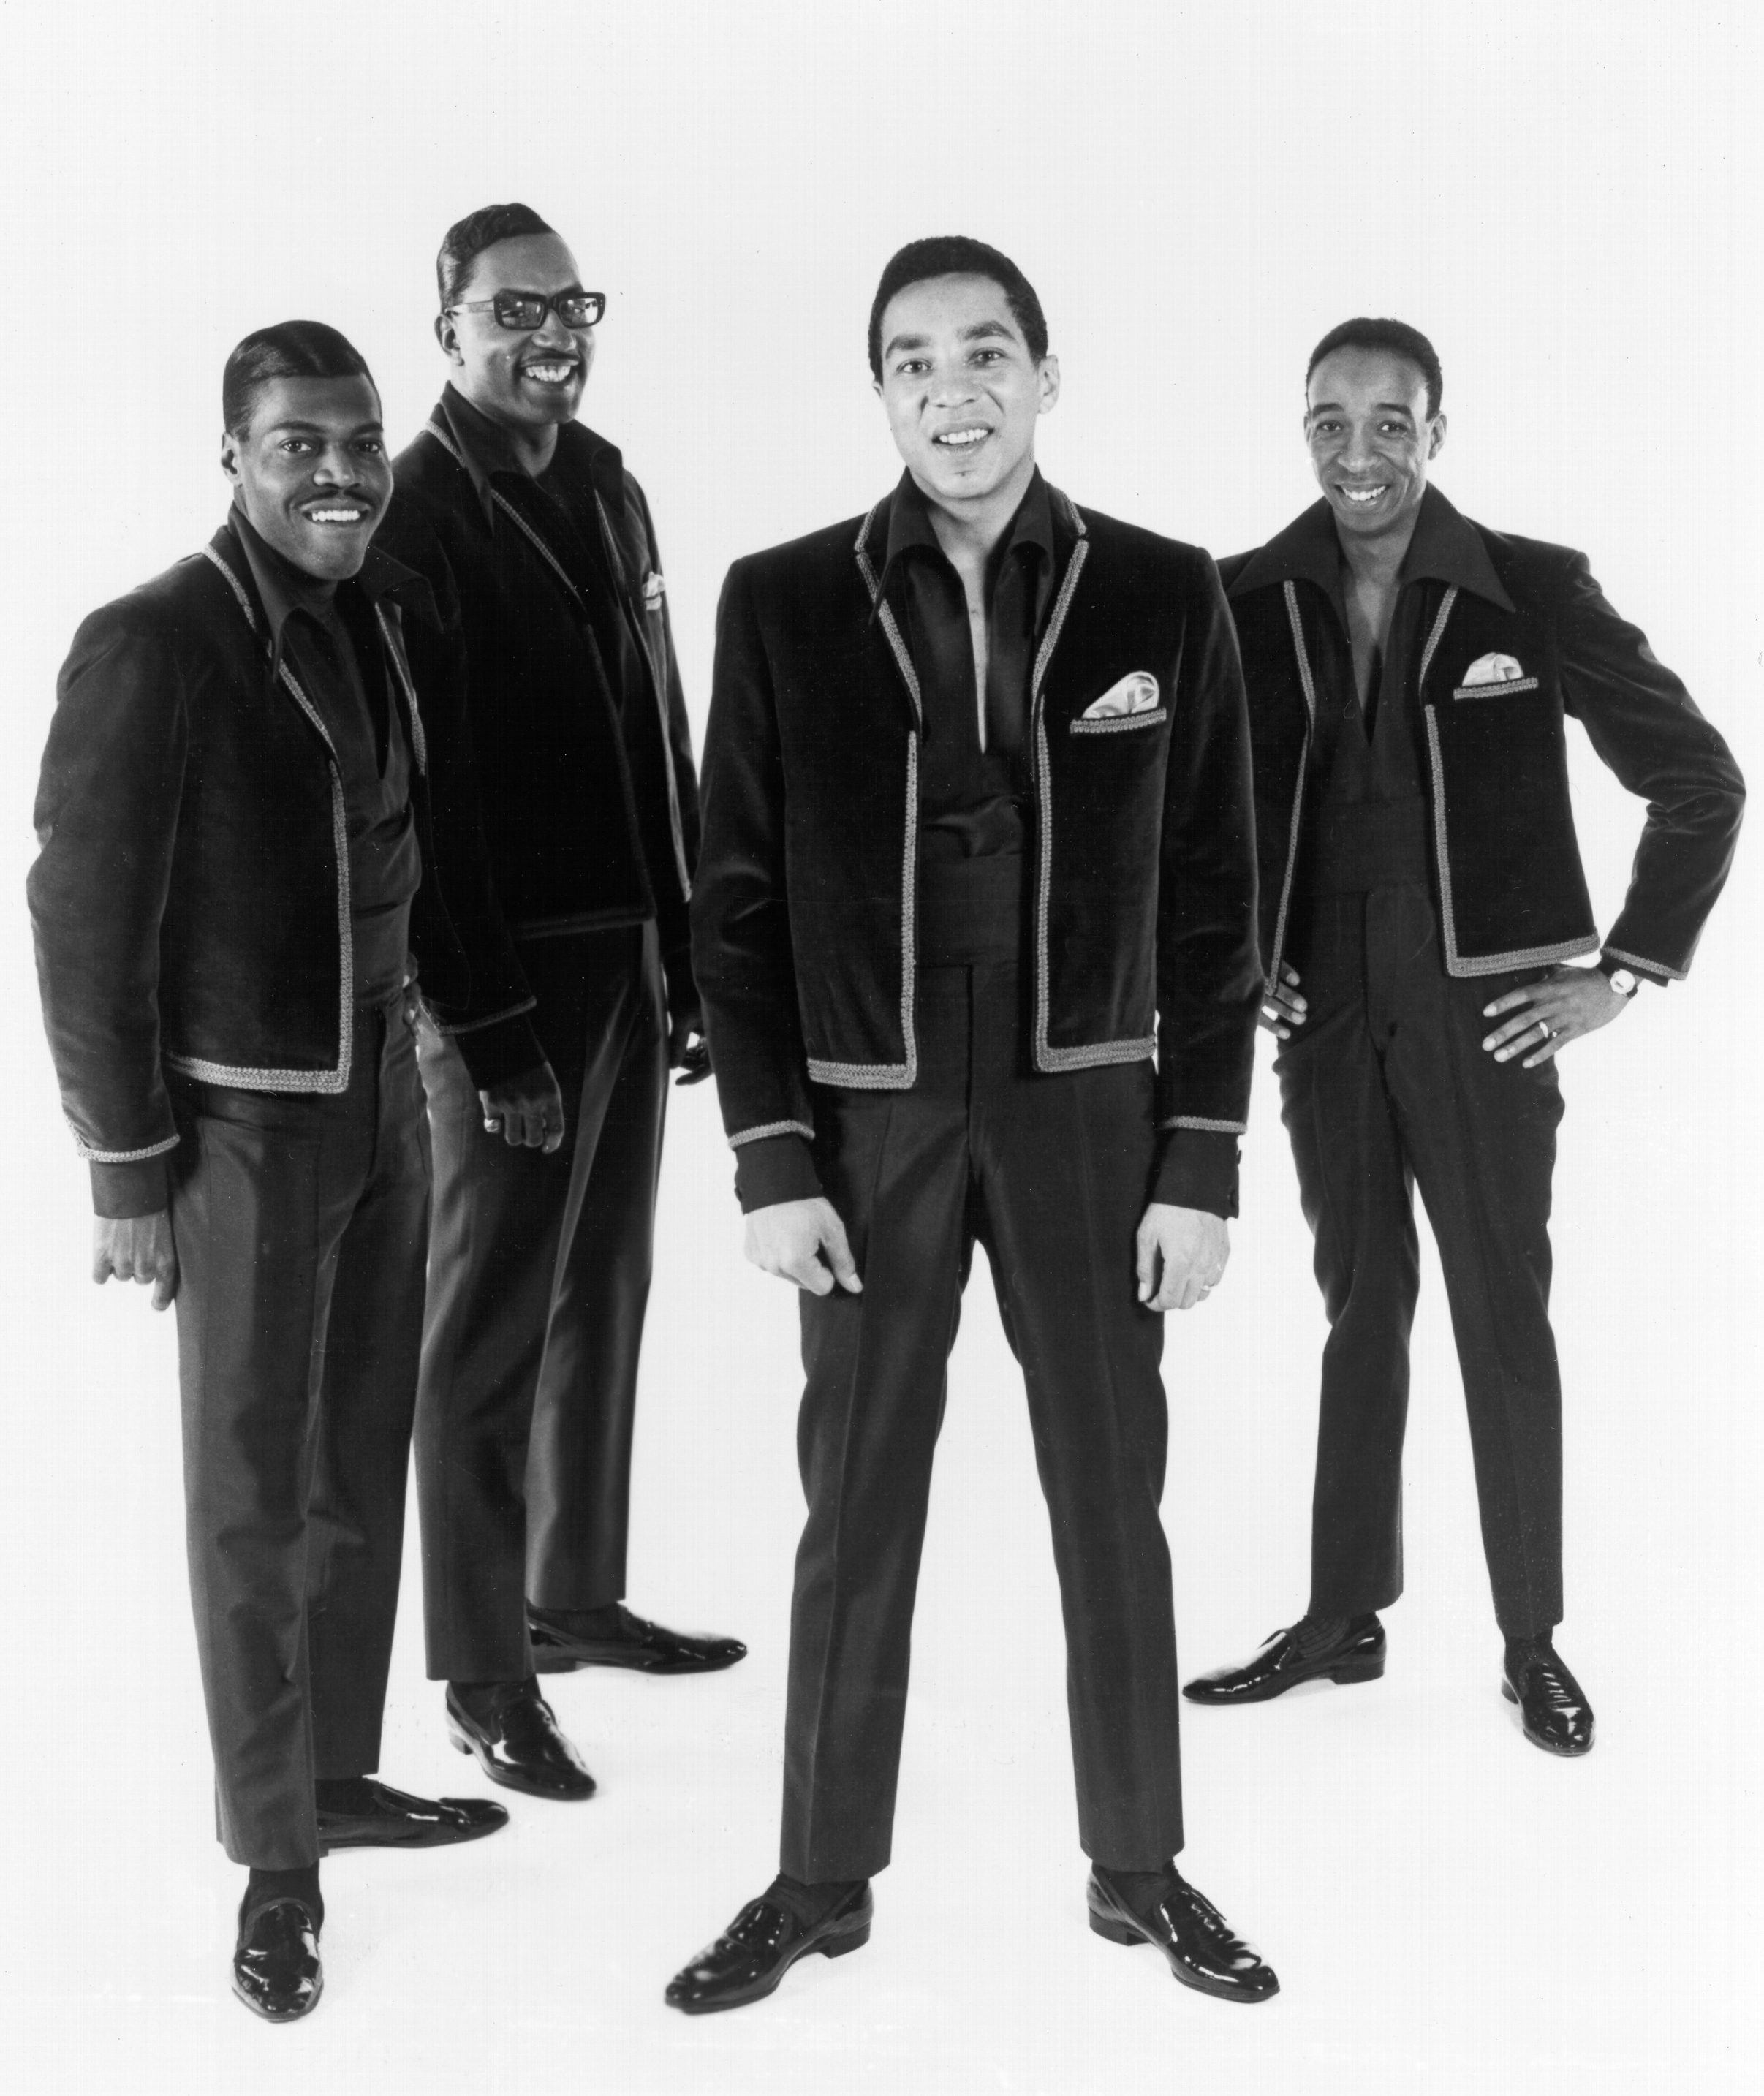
962	437
548	374
334	516
1362	494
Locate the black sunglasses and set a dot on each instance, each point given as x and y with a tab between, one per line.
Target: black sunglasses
527	309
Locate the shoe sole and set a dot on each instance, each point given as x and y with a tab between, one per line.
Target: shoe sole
464	1743
832	1947
1123	1933
1547	1746
270	2015
431	1838
1347	1675
558	1660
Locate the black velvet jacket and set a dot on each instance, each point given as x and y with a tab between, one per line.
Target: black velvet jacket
590	798
191	900
1510	891
1145	879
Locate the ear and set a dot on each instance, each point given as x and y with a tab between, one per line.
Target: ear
449	336
1436	436
229	456
1048	379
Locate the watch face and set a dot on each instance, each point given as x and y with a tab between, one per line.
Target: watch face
1623	982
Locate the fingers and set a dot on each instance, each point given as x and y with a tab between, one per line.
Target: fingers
165	1280
837	1248
1145	1262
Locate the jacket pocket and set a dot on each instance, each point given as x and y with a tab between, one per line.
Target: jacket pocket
1506	688
1114	723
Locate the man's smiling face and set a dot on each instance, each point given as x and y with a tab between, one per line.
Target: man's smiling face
525	378
310	472
961	390
1371	438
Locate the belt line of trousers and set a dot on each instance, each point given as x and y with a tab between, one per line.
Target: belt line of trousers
301	1225
538	1282
1049	1173
1386	1086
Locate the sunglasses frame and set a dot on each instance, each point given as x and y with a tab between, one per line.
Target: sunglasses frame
546	305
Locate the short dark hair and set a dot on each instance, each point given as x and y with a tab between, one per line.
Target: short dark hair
954	255
463	242
1398	337
290	349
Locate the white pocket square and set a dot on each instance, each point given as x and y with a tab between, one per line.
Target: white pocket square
1493	670
1136	694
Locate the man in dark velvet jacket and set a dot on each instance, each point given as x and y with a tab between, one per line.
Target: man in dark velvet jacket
1410	676
539	1268
975	927
244	836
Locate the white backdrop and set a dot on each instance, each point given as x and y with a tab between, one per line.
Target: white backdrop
1566	198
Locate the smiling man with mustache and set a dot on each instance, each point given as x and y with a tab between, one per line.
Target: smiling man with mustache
547	1124
1411	675
241	830
977	847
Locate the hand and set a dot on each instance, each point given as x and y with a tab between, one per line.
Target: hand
527	1110
794	1238
136	1248
1282	1008
686	1018
1193	1246
1566	1004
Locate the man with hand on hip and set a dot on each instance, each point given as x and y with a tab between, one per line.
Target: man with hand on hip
977	851
1410	677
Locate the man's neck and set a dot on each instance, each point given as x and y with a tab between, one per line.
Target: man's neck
1374	563
967	534
319	589
534	445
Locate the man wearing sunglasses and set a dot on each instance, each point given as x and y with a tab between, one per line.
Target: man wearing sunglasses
547	1124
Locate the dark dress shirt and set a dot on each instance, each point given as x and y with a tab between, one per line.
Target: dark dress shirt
973	801
325	634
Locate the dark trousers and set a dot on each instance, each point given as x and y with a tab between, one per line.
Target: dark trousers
538	1278
1049	1173
300	1225
1387	1086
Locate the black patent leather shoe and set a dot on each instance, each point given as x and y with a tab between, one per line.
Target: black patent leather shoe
632	1642
760	1946
1282	1663
276	1969
1189	1929
515	1735
1553	1709
364	1813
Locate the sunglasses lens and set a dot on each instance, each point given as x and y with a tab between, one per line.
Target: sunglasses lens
581	311
512	312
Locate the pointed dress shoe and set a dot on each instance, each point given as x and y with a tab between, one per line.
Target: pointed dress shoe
1189	1929
514	1734
1282	1663
1553	1709
622	1640
364	1813
760	1946
276	1969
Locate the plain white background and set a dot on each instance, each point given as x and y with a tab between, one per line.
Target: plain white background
1564	196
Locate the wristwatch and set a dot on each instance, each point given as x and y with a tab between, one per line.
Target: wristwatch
1624	981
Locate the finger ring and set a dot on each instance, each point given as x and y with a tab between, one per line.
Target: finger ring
491	1124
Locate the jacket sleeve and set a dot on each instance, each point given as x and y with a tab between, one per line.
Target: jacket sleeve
1209	974
106	822
740	916
1645	725
490	1026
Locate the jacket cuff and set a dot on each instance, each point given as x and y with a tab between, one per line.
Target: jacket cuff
776	1168
1198	1168
1644	970
508	1048
139	1189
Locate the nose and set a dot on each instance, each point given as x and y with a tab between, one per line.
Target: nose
1357	454
552	331
335	466
949	388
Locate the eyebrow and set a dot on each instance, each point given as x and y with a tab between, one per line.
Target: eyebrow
1379	407
296	428
979	331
